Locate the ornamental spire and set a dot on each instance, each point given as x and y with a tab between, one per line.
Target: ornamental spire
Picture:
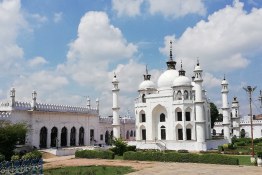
171	64
181	71
147	76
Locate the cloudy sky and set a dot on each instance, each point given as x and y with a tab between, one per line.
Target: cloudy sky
67	50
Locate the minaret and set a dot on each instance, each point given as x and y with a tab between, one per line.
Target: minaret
235	117
12	96
115	108
200	115
33	104
182	72
147	76
225	109
171	64
97	104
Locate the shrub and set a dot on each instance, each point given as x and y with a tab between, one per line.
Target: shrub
220	148
15	157
259	155
181	157
131	148
32	155
241	143
182	151
90	154
2	157
119	147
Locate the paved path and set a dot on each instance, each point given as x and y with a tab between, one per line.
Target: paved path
158	168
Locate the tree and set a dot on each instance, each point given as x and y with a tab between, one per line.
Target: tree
10	134
214	114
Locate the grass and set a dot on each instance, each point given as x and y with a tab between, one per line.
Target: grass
243	160
89	170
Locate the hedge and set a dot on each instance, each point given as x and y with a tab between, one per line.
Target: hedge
181	157
2	157
91	154
32	155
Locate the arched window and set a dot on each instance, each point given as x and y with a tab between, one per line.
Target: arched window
222	132
179	95
73	136
242	133
54	138
186	95
127	134
64	137
143	98
81	136
162	117
163	132
142	116
214	132
131	133
43	137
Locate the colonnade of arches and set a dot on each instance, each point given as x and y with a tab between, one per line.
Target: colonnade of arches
72	137
130	134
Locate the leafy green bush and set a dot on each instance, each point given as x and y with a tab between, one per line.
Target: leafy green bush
131	148
180	157
220	148
259	155
119	147
2	157
15	157
32	155
241	143
182	151
90	154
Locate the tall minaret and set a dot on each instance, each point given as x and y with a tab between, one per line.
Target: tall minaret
33	104
235	117
115	108
225	109
171	64
200	115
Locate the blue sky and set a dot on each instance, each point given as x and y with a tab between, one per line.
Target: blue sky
68	49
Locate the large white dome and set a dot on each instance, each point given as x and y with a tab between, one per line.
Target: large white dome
182	81
166	79
147	84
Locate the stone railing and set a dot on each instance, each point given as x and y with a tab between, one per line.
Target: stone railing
4	114
110	120
22	105
64	108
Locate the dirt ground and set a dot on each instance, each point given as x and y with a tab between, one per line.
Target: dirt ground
157	168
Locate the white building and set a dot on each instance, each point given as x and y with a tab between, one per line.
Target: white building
61	125
175	114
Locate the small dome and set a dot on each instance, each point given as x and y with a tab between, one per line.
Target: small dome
166	79
182	81
147	84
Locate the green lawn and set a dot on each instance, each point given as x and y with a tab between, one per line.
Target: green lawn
89	170
243	160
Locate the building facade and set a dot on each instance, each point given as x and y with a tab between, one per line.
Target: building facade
175	114
61	125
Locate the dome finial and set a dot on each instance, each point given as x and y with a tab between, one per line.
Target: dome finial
171	55
224	76
181	71
114	75
197	61
171	64
147	76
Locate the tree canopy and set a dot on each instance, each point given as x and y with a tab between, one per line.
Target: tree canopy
215	116
10	135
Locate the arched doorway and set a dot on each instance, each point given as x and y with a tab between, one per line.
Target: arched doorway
127	134
242	133
163	132
43	137
107	138
73	136
81	136
64	136
53	136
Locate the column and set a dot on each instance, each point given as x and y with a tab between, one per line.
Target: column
77	136
48	142
68	136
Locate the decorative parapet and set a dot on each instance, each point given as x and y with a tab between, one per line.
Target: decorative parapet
64	108
122	120
5	114
248	122
25	106
218	123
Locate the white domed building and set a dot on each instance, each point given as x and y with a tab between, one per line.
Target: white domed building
174	115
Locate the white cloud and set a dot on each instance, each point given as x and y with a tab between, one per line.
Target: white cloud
211	81
127	7
11	21
176	8
224	41
58	17
39	18
37	61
